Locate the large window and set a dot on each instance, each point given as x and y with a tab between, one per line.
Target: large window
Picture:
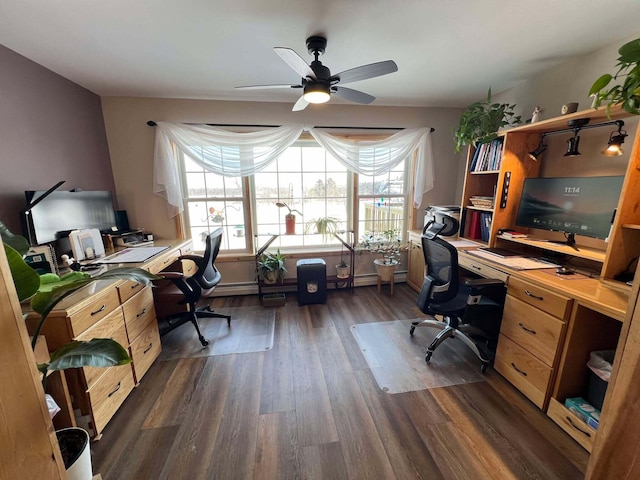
311	183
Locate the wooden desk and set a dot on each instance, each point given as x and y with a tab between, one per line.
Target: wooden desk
121	310
550	325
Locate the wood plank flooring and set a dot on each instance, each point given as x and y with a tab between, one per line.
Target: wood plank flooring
311	409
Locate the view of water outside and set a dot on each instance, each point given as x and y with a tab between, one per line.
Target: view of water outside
310	182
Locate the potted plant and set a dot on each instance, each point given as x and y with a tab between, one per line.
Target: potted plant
45	292
482	120
325	226
289	218
271	266
628	94
388	245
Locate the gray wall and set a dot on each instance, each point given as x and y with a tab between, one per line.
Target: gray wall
50	130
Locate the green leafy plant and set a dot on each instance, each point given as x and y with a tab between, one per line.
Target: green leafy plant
388	244
628	94
326	226
45	292
271	266
482	120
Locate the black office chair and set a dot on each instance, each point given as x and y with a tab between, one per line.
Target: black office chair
471	311
176	300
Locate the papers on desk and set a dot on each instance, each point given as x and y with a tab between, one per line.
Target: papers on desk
517	263
132	255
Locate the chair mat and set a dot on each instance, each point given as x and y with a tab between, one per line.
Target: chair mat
252	330
396	359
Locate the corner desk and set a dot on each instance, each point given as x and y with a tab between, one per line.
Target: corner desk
122	310
550	325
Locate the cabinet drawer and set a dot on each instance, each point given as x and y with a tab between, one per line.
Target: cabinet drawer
108	393
164	261
138	313
145	349
537	332
95	311
539	297
480	268
523	370
570	423
128	289
111	326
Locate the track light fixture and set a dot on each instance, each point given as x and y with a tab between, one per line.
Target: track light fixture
535	154
616	139
572	145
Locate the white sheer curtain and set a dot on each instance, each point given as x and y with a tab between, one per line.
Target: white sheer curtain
242	154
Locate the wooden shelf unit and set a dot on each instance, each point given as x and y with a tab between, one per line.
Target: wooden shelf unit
611	257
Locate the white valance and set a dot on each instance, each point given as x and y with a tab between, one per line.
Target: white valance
243	154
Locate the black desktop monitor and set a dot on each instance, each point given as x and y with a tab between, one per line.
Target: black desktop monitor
575	206
62	211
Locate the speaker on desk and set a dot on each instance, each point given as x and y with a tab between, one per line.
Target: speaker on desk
122	221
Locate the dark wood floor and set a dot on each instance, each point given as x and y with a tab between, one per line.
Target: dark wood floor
310	409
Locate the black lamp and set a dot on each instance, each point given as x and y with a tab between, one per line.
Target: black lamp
535	154
573	142
616	139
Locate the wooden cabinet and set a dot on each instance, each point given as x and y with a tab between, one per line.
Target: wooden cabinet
123	311
415	261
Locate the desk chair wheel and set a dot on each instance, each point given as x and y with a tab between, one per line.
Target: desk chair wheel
483	368
204	341
427	357
411	330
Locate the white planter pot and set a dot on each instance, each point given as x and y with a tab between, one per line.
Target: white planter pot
342	272
78	454
385	270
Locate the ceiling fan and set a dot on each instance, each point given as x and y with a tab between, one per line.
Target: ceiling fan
317	82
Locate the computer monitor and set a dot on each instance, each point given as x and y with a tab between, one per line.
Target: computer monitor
573	205
62	211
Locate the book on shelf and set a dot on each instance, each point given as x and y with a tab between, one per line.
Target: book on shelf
514	234
485	225
475	227
487	157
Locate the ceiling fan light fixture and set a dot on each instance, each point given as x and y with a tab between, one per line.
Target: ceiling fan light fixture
316	93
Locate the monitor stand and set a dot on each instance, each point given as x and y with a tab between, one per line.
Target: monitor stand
571	241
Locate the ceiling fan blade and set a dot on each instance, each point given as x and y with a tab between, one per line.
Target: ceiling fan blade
367	71
301	104
295	61
353	95
264	87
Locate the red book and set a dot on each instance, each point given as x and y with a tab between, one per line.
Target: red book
474	226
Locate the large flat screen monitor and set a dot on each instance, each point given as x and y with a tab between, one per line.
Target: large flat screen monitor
582	206
62	211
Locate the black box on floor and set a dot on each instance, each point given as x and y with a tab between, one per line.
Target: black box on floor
312	281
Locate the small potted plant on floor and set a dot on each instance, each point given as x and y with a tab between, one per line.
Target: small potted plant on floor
388	245
271	266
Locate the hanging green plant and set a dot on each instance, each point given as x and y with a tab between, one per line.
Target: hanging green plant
626	95
482	120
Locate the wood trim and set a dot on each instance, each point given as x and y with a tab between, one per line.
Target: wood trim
33	450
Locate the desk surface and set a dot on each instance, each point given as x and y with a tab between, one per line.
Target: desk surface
590	292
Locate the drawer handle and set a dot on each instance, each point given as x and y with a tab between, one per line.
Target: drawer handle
135	285
518	370
528	293
116	389
101	309
577	427
521	325
477	268
167	261
148	348
144	310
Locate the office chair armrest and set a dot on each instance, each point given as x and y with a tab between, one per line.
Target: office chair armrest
192	257
482	285
172	275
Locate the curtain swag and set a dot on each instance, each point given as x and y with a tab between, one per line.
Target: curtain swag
243	154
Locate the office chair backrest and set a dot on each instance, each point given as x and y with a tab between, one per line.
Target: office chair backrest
441	259
208	275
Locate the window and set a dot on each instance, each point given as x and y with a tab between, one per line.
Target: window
311	183
308	180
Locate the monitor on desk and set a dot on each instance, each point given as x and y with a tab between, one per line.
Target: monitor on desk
582	206
62	211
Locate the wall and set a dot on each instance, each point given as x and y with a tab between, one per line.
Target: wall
50	130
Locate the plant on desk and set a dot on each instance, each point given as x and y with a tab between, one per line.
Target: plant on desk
45	292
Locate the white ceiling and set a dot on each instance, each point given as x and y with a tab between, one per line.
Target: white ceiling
448	51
